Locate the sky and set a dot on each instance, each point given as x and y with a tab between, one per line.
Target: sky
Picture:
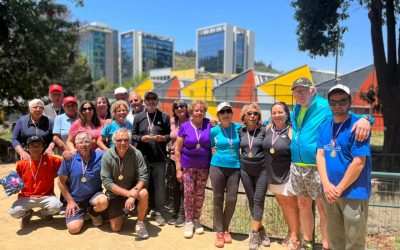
272	21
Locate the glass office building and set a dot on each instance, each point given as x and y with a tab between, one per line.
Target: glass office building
141	52
225	49
99	44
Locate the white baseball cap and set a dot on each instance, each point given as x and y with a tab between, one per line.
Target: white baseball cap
120	90
339	87
223	105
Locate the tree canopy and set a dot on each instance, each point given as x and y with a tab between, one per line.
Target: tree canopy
38	46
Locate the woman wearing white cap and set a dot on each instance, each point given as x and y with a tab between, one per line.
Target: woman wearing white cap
224	171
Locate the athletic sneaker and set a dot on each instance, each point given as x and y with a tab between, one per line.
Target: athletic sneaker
172	221
265	241
254	241
188	232
219	240
227	237
198	228
26	219
160	220
180	221
141	231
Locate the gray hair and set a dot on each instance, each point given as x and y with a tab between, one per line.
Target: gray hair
122	130
82	135
33	102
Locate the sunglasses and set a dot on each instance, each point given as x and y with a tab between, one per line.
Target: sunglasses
87	109
180	107
341	102
226	111
151	98
252	113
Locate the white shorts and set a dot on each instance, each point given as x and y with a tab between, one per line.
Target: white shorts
283	189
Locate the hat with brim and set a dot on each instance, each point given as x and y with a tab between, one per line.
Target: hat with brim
34	138
303	82
339	88
120	90
223	105
55	87
70	99
150	92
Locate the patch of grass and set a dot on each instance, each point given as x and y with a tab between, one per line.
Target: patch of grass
377	140
6	135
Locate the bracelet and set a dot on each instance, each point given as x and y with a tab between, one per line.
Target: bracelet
367	118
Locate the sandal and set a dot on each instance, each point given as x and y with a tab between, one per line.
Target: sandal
293	244
286	240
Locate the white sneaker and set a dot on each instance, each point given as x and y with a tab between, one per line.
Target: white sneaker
198	228
141	231
188	233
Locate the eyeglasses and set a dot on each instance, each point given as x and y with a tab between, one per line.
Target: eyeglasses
122	140
180	107
151	98
341	102
134	100
226	111
301	92
252	113
84	142
38	108
87	109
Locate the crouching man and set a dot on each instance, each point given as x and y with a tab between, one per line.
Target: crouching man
124	175
80	184
344	165
38	175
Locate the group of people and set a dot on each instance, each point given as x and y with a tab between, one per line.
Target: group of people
317	152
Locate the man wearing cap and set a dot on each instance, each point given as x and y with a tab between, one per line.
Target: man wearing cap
80	183
38	175
344	165
150	133
135	105
63	122
54	108
307	115
121	93
124	175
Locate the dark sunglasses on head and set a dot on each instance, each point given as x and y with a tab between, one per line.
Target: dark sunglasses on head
180	107
225	111
252	113
342	102
87	109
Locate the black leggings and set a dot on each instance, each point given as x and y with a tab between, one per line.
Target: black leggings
255	185
222	178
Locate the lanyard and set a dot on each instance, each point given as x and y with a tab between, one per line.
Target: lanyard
230	139
34	176
197	135
333	141
151	124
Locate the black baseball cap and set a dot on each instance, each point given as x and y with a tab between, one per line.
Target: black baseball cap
34	138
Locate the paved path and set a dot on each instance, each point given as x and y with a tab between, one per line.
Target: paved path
55	236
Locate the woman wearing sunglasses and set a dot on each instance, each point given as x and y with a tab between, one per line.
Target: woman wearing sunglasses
180	116
224	171
88	122
276	147
253	171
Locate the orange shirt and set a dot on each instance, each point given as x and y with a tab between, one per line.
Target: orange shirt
44	183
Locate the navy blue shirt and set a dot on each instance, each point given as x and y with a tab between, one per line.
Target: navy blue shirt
25	128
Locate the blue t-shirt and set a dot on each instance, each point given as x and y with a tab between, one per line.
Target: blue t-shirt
62	124
346	148
227	155
111	128
83	191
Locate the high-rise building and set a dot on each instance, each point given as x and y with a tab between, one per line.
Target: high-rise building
99	44
224	48
141	52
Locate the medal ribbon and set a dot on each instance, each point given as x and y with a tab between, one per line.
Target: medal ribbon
195	130
230	140
250	140
37	170
151	124
333	141
84	167
277	134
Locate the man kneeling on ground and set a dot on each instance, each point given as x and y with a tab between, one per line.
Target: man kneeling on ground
80	183
124	175
38	175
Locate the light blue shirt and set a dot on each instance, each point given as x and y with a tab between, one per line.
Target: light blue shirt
226	142
62	124
111	128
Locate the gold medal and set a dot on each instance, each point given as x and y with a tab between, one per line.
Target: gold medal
272	151
250	155
198	145
120	177
83	179
333	153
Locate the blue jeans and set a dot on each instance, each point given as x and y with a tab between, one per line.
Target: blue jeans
157	178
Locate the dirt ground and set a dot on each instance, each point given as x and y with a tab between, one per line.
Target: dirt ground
39	235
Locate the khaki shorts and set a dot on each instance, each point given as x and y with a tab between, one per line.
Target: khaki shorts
305	181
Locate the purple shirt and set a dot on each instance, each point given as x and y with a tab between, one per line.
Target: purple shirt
192	157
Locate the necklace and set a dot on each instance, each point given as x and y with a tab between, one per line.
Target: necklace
197	135
151	124
230	139
84	168
120	166
250	154
34	176
275	136
333	140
